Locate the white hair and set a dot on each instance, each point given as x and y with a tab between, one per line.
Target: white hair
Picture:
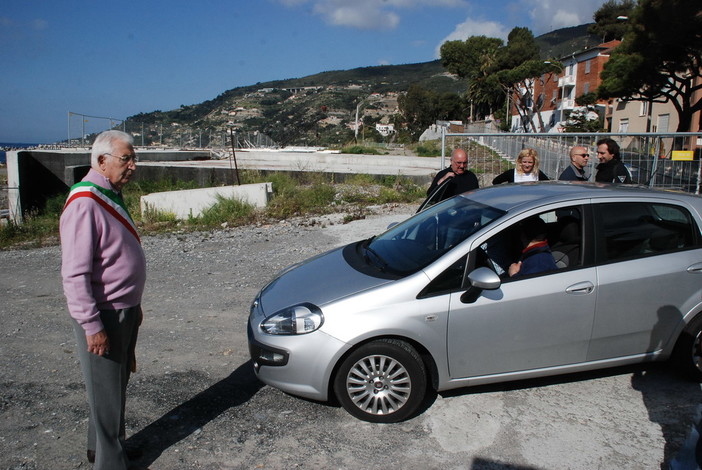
104	143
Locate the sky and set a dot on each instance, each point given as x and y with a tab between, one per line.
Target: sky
97	59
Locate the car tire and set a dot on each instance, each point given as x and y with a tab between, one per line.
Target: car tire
688	350
383	381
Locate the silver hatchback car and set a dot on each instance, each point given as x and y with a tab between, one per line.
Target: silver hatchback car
452	297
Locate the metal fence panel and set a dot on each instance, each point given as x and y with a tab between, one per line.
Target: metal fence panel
650	158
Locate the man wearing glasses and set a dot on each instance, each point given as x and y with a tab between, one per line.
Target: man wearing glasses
576	171
104	271
462	179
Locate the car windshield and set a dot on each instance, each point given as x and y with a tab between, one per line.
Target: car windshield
422	239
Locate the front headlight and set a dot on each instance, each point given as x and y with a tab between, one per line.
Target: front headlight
295	320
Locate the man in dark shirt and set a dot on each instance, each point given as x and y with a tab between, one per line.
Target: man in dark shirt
611	169
579	159
462	179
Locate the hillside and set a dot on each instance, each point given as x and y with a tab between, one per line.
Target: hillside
318	109
314	110
565	41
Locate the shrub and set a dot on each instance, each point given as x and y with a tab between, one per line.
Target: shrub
429	148
359	149
228	211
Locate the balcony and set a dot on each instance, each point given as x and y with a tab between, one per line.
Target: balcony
568	80
567	104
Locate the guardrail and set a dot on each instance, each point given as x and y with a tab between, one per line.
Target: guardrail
657	160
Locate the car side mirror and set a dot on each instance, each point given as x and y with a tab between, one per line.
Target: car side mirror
480	279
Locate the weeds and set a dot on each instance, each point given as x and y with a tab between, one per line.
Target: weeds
38	229
305	194
360	149
429	148
225	211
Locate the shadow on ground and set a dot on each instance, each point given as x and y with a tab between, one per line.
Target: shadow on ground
183	420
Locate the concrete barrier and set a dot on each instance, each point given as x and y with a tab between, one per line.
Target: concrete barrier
191	202
33	176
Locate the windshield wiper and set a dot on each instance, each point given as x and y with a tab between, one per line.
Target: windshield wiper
379	261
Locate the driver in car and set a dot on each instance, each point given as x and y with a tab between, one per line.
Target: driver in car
536	256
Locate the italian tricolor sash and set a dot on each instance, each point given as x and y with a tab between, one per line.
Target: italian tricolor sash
107	199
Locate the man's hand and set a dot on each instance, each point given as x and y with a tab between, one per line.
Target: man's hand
514	268
98	343
448	175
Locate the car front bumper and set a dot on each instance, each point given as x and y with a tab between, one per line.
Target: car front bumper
298	364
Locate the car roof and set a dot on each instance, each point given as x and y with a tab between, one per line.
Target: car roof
522	196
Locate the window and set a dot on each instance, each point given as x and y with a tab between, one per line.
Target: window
562	229
586	89
637	229
587	66
623	125
643	109
451	280
663	122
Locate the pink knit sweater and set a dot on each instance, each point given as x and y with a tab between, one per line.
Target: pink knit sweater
103	265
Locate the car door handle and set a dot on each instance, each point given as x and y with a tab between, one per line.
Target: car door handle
581	288
695	268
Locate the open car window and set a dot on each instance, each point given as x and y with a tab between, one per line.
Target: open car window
564	229
436	196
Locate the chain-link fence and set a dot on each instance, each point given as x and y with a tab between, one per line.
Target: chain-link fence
670	160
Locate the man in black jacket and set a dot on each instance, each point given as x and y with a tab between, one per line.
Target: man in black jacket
462	179
576	171
611	169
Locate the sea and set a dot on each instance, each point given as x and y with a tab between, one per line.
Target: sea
4	146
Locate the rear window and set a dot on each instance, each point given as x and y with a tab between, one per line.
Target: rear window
636	229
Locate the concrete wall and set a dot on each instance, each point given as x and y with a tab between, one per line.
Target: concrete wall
191	202
34	176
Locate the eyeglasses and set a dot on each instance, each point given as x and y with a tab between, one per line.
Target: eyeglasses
125	158
586	155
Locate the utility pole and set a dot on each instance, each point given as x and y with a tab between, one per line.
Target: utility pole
236	168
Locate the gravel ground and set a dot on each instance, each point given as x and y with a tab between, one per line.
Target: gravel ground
195	404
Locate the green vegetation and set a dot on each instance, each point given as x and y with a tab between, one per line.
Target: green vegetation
429	148
305	194
225	212
39	228
360	149
495	71
608	23
659	58
421	107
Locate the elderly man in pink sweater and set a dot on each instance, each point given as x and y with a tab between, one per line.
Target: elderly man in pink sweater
104	271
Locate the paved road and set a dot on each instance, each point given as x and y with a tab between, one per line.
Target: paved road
194	403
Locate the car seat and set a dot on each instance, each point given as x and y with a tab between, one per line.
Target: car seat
566	248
